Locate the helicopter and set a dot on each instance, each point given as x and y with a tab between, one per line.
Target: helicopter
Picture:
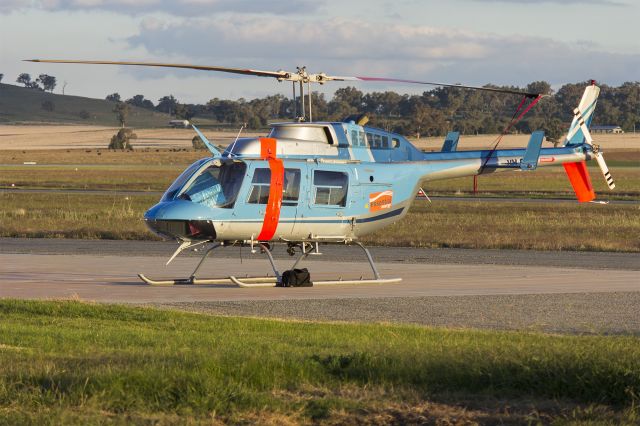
308	183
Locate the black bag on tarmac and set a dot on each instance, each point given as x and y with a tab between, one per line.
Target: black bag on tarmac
296	278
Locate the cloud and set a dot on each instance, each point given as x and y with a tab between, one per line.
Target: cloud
174	7
7	6
363	48
560	2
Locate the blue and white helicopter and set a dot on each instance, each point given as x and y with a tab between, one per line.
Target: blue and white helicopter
310	183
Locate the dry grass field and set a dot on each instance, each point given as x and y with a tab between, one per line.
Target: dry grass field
29	137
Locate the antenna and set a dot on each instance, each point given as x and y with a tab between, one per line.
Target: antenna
237	137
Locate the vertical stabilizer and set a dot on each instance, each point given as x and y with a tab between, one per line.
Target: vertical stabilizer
451	142
580	180
582	116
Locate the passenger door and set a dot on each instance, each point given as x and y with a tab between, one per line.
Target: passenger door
325	213
258	196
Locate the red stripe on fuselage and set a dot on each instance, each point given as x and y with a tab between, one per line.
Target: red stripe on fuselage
274	203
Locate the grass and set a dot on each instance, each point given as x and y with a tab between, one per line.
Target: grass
466	224
550	182
112	177
513	225
176	157
18	104
70	362
75	216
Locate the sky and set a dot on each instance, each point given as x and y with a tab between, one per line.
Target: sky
474	42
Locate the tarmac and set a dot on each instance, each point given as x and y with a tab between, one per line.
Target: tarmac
503	289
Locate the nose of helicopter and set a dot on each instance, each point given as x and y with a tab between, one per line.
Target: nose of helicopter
180	219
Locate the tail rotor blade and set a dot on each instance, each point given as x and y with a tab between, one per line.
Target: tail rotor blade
605	170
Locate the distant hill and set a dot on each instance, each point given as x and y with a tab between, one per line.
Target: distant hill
23	105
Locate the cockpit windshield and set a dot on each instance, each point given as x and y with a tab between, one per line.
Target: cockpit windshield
182	179
217	185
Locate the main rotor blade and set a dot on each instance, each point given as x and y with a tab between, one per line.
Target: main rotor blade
259	73
428	83
284	75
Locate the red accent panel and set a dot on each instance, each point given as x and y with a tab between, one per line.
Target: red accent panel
267	148
272	212
580	180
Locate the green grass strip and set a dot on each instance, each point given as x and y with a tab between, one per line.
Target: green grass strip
70	357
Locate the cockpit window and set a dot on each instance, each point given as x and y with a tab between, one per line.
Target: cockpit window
216	185
182	179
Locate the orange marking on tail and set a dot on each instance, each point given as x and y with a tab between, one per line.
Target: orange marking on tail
580	180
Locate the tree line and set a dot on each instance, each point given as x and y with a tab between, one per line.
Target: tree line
43	82
432	113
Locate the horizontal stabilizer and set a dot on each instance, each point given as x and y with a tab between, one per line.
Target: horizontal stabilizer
451	142
580	180
532	154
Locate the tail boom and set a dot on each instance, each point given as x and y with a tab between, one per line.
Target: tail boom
448	165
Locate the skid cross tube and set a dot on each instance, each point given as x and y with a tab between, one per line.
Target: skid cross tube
204	256
370	259
265	248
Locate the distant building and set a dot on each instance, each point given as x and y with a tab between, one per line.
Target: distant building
606	129
184	124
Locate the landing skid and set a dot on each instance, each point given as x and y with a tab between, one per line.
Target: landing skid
264	281
269	281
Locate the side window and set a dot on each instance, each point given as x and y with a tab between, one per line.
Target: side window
330	188
357	138
260	185
377	141
395	142
385	142
291	190
354	138
370	139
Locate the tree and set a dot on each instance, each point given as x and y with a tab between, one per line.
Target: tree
140	101
48	82
197	143
184	112
167	104
541	87
122	112
122	139
25	79
114	97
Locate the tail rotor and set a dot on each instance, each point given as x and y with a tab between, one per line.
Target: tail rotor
579	131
